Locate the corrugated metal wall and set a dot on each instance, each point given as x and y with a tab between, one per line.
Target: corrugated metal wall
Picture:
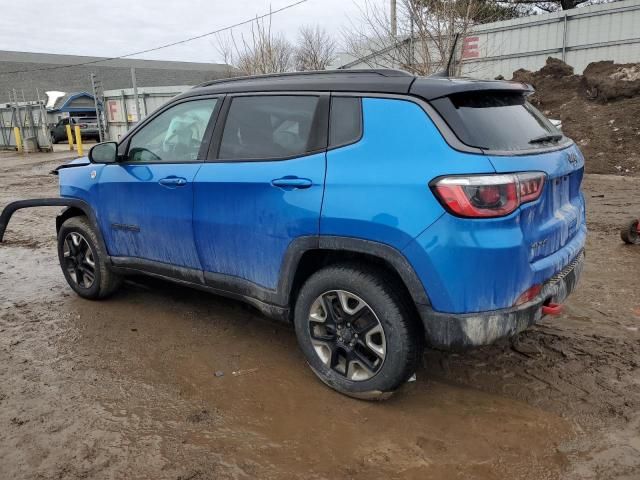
579	36
32	120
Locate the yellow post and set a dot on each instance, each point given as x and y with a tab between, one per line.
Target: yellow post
78	139
69	136
16	132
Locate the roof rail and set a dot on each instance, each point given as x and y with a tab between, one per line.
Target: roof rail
383	72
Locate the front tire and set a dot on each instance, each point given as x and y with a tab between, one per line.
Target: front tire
356	333
83	262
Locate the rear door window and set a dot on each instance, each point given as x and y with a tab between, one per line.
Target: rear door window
497	121
270	127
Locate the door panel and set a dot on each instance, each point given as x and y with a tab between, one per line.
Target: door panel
143	218
247	213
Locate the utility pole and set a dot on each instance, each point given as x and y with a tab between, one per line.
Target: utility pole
98	101
135	94
411	35
394	19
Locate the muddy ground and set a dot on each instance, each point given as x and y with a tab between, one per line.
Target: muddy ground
126	388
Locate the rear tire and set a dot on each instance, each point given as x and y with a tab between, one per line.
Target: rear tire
630	234
356	333
83	262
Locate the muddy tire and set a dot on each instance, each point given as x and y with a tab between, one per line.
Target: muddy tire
83	262
356	333
630	233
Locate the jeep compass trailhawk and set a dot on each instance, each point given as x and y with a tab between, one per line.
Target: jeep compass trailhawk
375	210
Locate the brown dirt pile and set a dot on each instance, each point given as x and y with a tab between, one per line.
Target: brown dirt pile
600	110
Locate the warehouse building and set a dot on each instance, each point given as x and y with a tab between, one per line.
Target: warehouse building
27	72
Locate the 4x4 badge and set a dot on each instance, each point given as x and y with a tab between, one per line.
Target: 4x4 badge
572	158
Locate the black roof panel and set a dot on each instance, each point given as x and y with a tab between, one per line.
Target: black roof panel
373	81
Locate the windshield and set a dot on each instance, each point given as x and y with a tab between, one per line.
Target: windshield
497	121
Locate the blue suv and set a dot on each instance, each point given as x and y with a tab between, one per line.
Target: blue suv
375	210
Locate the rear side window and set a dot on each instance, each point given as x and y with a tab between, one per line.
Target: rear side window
497	121
269	127
346	121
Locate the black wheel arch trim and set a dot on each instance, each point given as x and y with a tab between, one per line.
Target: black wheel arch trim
392	256
70	203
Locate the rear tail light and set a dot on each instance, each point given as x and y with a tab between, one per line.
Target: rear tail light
528	295
486	196
530	186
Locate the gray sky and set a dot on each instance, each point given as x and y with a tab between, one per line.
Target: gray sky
117	27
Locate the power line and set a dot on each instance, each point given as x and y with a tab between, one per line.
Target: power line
179	42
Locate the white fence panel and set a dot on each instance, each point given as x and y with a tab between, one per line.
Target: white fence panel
120	107
578	36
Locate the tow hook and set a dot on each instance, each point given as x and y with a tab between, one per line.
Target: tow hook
552	309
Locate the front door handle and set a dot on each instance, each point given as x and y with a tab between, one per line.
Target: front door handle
173	181
290	182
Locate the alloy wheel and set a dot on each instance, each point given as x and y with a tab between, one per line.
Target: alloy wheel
347	335
78	260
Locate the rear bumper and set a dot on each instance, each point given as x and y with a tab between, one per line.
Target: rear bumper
89	133
460	331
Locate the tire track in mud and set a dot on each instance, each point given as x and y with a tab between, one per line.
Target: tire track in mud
586	377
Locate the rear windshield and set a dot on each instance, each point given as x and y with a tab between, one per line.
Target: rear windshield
497	121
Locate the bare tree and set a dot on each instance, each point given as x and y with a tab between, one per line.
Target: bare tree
531	6
259	52
315	49
422	39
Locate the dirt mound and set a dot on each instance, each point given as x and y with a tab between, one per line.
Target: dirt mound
521	75
556	68
600	110
608	81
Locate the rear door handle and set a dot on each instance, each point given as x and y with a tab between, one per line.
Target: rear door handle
173	182
291	182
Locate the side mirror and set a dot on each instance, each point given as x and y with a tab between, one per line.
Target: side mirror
106	152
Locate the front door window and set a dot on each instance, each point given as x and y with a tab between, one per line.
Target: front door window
174	136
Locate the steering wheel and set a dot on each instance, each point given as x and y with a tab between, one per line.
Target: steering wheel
139	151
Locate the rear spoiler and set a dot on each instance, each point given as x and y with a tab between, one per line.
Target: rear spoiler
430	88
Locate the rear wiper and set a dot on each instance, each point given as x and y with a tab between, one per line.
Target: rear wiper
551	137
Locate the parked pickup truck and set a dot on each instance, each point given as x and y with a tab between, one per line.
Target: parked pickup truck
374	210
88	129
